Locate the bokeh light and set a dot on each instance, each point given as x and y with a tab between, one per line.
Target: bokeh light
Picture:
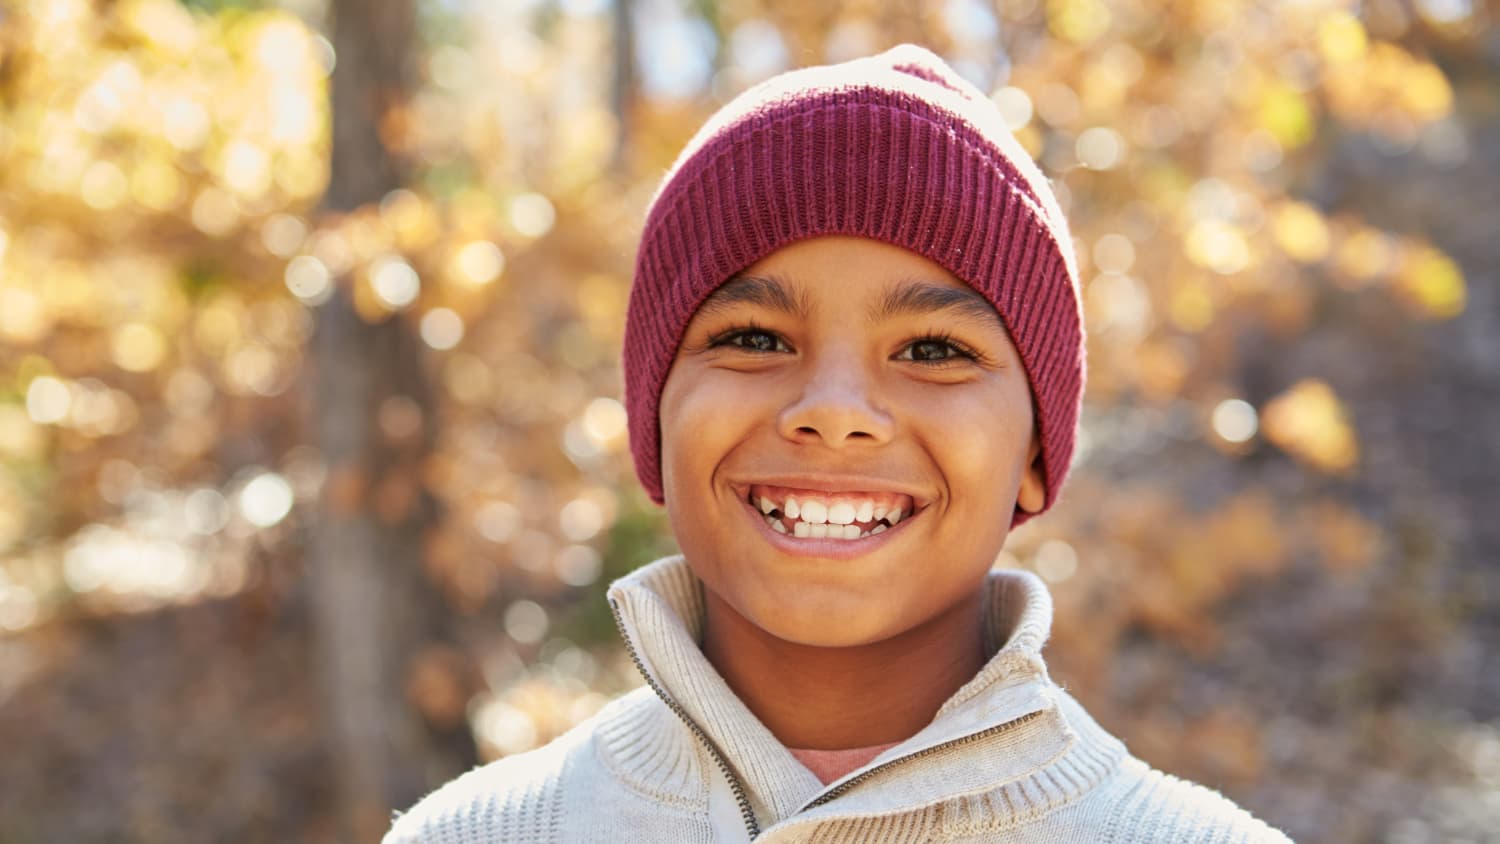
308	279
532	214
1055	561
479	262
394	281
442	328
47	400
526	622
497	521
1235	420
1100	148
266	499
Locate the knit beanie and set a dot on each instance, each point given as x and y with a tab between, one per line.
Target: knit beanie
897	148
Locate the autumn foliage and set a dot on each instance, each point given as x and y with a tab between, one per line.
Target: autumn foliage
1269	566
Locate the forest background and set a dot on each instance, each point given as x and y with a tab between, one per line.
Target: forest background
313	466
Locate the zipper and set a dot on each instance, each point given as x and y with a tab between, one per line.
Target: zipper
751	825
838	790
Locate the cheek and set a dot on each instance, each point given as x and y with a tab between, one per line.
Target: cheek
702	418
980	439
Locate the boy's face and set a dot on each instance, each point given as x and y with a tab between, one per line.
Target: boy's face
858	379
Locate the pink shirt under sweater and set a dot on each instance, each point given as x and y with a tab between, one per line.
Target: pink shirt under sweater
829	765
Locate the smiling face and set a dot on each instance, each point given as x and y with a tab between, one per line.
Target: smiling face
842	387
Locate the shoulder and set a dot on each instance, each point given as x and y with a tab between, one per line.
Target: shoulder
1135	802
1156	806
517	798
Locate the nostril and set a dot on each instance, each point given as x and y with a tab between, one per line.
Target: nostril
805	429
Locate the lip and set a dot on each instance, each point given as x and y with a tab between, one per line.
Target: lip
824	549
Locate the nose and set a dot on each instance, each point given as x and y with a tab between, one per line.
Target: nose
837	405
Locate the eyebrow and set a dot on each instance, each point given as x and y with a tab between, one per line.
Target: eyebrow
916	298
906	298
769	292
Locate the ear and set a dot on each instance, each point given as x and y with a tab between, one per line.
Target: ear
1032	496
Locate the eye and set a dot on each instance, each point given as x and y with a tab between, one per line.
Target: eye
936	349
757	340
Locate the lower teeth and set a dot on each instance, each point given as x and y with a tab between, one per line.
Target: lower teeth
805	530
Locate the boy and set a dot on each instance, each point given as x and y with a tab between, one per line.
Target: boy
853	361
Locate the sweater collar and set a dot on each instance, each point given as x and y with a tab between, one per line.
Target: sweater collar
660	609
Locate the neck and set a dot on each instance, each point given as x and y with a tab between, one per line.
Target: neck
842	698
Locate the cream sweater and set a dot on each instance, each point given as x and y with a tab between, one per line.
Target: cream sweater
1011	757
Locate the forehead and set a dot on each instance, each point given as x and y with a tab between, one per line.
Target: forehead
850	277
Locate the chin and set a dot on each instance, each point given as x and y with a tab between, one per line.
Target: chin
823	624
816	635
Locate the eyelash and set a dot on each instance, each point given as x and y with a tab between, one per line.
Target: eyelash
961	351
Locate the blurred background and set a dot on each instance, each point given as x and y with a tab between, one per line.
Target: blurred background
313	467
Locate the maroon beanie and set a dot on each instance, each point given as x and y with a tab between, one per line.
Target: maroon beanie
897	148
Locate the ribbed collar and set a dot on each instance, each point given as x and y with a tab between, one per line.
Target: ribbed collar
971	747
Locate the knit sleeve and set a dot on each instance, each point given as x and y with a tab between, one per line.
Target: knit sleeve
515	799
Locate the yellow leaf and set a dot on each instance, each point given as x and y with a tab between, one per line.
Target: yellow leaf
1345	540
1425	91
1342	38
138	347
1309	422
1433	283
1300	231
1285	114
1363	255
1078	21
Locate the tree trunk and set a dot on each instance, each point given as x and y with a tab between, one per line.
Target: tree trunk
373	608
623	80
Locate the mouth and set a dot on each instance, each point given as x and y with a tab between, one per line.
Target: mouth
828	520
